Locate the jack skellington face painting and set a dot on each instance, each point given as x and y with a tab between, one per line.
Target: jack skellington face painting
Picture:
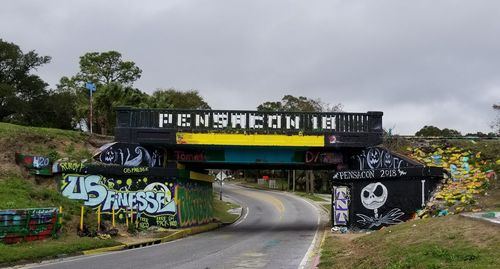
374	196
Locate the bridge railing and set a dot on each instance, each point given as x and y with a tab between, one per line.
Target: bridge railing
240	121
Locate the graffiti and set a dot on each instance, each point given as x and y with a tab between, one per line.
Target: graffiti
28	224
37	165
133	170
188	156
129	155
155	198
374	196
194	203
369	174
340	205
40	162
376	158
68	166
323	157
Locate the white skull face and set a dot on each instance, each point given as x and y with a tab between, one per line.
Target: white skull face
374	195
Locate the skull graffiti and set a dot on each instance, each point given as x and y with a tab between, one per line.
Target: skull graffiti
374	195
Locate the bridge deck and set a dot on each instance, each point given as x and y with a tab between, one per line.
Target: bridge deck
248	128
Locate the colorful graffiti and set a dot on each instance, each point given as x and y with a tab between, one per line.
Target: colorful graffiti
37	165
340	205
28	224
194	203
129	155
152	199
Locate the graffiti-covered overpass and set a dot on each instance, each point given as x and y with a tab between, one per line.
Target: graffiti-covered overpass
158	163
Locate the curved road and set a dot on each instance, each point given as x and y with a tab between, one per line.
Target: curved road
275	231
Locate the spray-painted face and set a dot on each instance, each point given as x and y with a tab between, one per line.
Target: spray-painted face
374	195
373	158
109	156
387	160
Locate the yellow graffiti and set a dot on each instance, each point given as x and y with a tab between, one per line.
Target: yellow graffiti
128	170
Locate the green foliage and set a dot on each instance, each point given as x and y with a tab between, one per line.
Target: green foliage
291	103
107	67
110	96
53	156
22	94
435	131
172	98
132	228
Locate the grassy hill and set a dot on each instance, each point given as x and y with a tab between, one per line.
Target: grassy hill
19	189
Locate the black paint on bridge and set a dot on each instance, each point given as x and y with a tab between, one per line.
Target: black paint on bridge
159	126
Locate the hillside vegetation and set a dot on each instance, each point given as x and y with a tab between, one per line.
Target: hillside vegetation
19	189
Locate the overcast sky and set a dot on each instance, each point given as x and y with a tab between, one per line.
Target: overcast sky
420	62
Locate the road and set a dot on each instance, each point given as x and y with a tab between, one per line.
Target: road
275	231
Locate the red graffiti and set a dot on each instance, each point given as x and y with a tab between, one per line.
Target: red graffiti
183	156
323	157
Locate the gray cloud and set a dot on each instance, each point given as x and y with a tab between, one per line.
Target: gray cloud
421	62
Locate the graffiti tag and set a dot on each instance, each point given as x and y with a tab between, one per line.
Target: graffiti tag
154	199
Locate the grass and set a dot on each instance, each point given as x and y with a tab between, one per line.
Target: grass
221	208
310	196
13	130
50	248
16	192
446	242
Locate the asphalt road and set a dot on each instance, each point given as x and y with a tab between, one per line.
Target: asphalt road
275	231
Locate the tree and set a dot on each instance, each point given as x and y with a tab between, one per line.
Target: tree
435	131
291	103
172	98
114	79
110	96
20	91
107	67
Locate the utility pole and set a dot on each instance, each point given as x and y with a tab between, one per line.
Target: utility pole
307	176
311	180
293	178
92	88
288	177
